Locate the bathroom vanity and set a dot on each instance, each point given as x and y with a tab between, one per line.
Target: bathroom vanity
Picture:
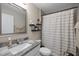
26	48
12	29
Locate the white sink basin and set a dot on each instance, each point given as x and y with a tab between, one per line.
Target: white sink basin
19	48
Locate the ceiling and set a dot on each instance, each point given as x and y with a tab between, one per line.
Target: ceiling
48	8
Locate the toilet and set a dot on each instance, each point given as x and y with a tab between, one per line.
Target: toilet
45	51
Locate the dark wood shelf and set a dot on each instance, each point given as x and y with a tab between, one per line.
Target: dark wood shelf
32	25
35	30
35	27
38	24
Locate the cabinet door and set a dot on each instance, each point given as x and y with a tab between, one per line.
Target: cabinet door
33	52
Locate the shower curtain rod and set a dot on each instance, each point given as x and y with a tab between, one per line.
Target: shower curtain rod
59	11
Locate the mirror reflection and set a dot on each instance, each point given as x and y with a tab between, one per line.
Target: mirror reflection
13	19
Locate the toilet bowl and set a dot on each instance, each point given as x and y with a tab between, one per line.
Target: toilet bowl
45	51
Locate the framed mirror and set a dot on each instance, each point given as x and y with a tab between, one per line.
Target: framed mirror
13	19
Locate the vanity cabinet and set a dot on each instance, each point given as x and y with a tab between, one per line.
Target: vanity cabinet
33	52
22	49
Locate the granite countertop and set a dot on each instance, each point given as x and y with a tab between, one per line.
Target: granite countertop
19	49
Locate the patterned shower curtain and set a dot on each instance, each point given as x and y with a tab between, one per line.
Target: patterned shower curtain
58	32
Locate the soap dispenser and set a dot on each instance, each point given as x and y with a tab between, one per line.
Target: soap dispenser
10	41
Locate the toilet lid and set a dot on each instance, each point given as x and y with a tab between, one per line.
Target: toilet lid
45	51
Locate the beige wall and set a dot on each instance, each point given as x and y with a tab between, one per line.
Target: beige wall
33	13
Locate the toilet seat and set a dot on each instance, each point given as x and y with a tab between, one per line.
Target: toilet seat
45	51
